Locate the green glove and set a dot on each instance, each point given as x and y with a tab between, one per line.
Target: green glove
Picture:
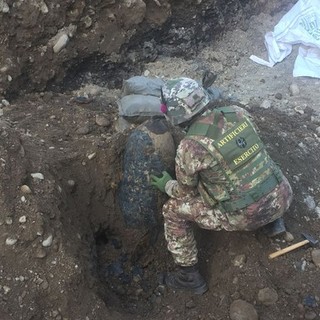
160	182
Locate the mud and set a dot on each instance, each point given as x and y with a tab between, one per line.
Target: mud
65	250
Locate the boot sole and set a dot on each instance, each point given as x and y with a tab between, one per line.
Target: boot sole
195	290
201	290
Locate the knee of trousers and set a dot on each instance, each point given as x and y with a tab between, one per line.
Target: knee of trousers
168	208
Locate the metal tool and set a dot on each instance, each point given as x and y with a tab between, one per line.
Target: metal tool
308	240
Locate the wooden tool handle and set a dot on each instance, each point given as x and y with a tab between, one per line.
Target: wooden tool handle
288	249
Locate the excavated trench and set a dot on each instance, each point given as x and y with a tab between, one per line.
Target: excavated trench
121	263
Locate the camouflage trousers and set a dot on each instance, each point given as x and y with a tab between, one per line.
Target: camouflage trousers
180	214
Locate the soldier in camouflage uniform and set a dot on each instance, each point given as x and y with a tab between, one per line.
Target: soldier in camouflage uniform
225	179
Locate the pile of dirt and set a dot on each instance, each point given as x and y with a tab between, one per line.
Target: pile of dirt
66	252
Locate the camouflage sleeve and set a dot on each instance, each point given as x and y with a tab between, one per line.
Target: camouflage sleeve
191	158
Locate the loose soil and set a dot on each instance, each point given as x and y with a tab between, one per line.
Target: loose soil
65	250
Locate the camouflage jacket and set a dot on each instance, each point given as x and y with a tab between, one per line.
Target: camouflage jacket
200	167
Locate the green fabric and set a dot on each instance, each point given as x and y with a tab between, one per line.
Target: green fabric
227	146
251	195
160	182
239	147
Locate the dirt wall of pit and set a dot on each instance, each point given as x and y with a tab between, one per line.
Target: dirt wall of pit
41	41
53	205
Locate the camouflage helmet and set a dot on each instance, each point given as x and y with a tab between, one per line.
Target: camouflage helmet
183	98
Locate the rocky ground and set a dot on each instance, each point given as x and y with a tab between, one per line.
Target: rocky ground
65	250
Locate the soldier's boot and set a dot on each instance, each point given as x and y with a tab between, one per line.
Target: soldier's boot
275	228
186	278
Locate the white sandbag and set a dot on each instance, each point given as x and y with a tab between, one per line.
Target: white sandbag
142	85
135	105
299	26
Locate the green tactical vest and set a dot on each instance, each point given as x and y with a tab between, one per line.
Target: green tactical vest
249	172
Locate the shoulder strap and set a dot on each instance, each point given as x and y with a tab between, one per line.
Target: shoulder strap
211	130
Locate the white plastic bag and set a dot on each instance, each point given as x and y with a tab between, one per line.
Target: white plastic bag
301	25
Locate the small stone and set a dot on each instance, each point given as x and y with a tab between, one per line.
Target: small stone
85	129
296	178
310	315
288	236
45	284
316	257
190	304
37	175
87	21
310	301
236	295
239	260
55	313
61	43
91	156
25	189
242	310
300	307
6	289
4	7
266	104
102	121
122	124
47	242
5	102
303	265
267	296
10	241
40	253
161	289
294	89
23	219
278	96
44	8
310	202
71	183
9	221
138	292
299	110
318	131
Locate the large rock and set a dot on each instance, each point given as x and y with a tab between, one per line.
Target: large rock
242	310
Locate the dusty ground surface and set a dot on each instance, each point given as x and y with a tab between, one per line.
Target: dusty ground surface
65	251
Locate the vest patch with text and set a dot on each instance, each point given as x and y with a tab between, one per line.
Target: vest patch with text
239	144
